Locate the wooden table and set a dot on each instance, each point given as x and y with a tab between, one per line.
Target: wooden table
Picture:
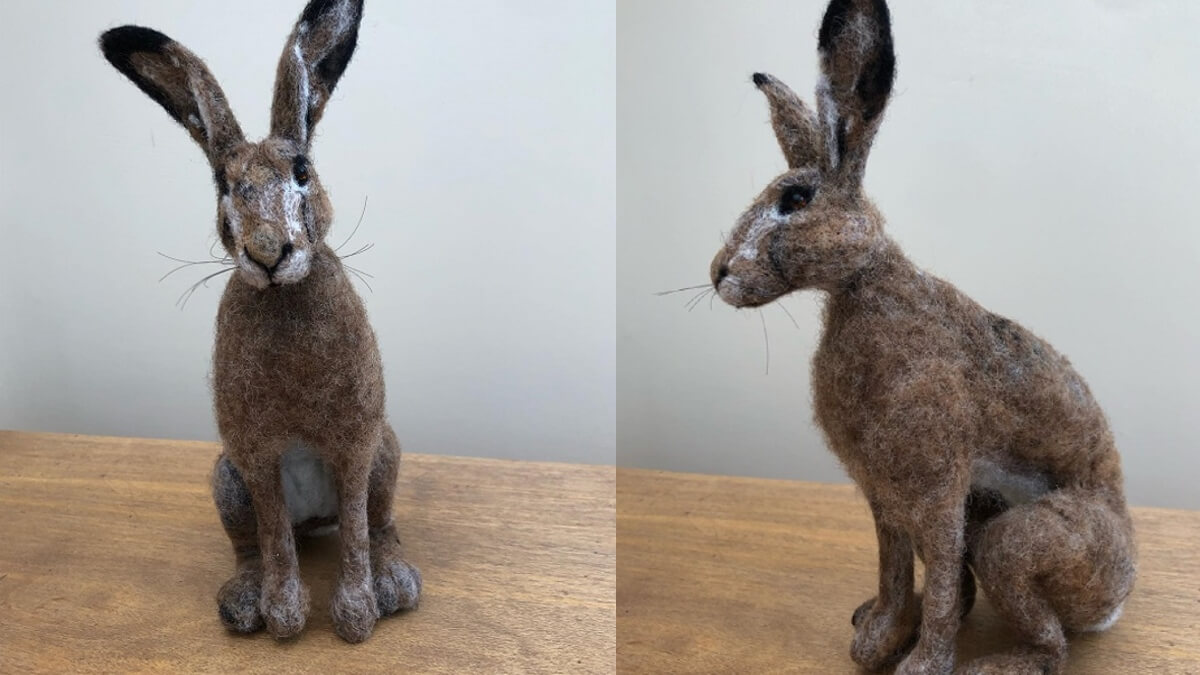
111	555
734	575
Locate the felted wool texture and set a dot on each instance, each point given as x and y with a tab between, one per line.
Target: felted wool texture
977	445
297	377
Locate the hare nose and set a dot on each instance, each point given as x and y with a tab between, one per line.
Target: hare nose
722	272
265	247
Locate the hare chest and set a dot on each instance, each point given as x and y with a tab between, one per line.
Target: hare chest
308	487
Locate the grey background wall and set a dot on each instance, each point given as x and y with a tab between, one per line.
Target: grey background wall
1042	156
482	134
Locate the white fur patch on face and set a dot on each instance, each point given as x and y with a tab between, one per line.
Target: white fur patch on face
232	215
764	223
279	201
1014	487
308	487
731	290
294	268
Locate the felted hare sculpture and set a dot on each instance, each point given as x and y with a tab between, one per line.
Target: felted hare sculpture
976	444
298	383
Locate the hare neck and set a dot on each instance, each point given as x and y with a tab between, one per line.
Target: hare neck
887	278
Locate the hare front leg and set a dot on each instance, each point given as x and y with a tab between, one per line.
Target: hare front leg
940	539
284	599
397	582
353	607
237	601
886	625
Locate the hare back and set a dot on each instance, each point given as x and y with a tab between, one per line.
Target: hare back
906	358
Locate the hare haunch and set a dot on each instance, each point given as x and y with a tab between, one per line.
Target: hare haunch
297	380
977	445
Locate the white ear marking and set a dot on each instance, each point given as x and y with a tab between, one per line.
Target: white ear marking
829	118
202	107
303	85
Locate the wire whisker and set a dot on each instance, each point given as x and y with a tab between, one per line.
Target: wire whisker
190	264
187	295
686	288
701	299
356	225
779	303
766	342
363	249
360	277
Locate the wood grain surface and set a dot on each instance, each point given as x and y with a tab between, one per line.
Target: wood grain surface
734	575
111	555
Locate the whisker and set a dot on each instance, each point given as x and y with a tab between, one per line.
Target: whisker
355	269
360	219
194	262
700	299
187	295
766	342
694	298
360	278
686	288
780	305
364	249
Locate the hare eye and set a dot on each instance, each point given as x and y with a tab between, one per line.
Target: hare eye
795	198
300	170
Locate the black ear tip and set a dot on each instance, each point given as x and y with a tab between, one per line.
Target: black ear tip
119	43
760	79
316	8
838	15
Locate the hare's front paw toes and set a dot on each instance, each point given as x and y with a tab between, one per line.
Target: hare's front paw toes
284	607
397	586
237	602
354	611
1017	662
883	636
919	664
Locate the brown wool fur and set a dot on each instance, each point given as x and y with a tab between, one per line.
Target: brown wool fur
977	445
297	382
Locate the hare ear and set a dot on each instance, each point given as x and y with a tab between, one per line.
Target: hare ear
179	81
858	66
795	124
316	55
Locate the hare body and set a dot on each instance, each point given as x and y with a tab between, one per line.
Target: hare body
977	446
297	378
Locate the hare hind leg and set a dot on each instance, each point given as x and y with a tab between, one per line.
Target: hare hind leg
1062	563
397	583
237	601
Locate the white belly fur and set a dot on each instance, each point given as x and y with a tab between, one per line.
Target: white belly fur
308	488
1014	487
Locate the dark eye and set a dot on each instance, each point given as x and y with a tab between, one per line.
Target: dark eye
300	170
794	198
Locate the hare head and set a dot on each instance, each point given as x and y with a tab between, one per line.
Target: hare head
812	227
272	213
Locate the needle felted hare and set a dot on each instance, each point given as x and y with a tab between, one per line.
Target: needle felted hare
298	382
977	445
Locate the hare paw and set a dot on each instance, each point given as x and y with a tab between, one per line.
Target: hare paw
237	602
397	586
285	607
883	635
354	611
